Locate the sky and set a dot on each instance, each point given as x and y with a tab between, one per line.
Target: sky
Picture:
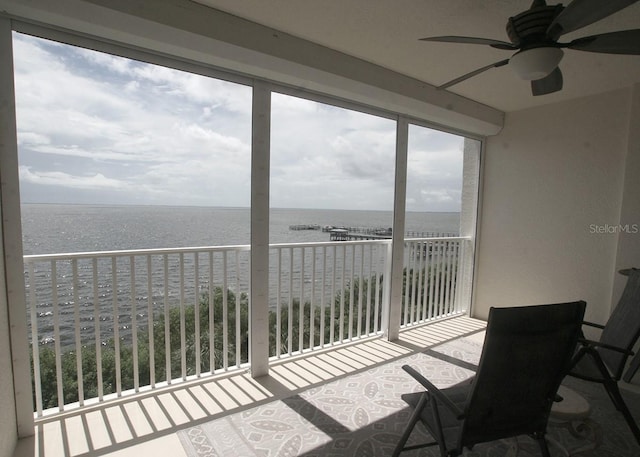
99	129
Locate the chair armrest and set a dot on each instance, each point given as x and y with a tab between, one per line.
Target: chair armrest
597	344
433	390
633	368
593	324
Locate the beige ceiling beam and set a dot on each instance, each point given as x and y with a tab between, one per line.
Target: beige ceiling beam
191	31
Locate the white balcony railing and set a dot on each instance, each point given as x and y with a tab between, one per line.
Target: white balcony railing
431	278
340	286
106	324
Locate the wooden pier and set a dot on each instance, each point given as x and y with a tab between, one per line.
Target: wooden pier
346	235
342	233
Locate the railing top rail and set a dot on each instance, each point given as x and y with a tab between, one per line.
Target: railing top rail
245	247
134	252
385	241
440	238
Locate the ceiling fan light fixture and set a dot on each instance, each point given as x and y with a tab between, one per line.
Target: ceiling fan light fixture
536	63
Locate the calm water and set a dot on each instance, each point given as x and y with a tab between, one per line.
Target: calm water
49	229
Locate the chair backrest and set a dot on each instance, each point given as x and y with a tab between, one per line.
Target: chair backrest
526	354
623	327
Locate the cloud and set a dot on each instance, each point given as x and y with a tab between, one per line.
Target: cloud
147	134
328	157
94	121
434	170
57	178
169	82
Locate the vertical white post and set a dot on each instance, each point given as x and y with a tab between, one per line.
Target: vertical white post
468	222
397	253
260	150
11	265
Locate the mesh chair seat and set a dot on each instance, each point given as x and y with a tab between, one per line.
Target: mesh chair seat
604	361
458	394
587	368
526	354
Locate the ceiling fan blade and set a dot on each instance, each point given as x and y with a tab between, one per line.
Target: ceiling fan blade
622	42
580	13
473	73
472	40
549	84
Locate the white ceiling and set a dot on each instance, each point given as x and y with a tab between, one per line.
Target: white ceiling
386	32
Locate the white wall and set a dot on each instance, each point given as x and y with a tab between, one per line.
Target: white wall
552	177
629	238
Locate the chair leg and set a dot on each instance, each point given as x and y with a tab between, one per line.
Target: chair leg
415	417
618	401
544	447
613	392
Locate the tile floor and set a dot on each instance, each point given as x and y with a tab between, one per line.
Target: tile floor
147	423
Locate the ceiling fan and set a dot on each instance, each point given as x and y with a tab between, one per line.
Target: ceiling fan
534	34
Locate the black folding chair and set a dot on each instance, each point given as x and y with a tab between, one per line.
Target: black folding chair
526	354
604	361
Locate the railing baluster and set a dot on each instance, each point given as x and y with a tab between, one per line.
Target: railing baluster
405	301
278	332
183	331
414	285
134	324
458	295
312	304
376	310
196	311
432	305
322	295
96	321
414	315
439	284
212	321
225	313
447	277
35	343
342	292
167	320
352	290
386	287
56	334
361	285
238	314
419	302
76	319
301	305
444	288
290	312
116	324
454	276
436	277
425	281
369	288
333	297
150	319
